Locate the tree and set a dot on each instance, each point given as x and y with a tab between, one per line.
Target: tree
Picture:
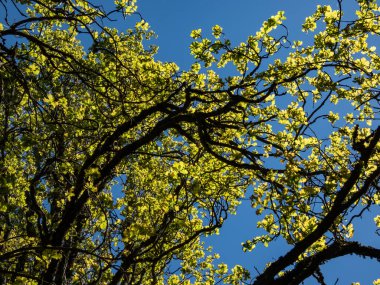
113	164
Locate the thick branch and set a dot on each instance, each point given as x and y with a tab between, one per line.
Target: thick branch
309	265
337	208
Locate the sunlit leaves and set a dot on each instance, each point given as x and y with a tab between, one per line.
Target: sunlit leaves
195	34
122	162
217	31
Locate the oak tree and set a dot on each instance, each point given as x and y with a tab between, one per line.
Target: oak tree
114	164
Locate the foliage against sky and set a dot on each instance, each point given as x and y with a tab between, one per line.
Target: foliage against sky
113	164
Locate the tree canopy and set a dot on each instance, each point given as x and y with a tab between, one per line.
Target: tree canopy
114	164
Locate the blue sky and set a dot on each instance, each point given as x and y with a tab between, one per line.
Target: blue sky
173	20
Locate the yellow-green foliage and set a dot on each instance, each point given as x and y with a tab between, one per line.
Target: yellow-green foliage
114	164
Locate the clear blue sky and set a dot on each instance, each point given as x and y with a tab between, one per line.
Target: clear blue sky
173	21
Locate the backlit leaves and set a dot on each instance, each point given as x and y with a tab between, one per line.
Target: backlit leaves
114	165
